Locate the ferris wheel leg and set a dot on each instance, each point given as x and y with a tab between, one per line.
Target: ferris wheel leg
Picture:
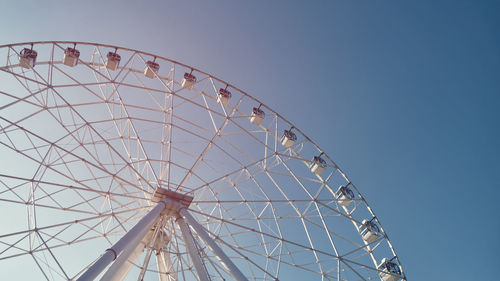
193	250
130	240
122	265
221	256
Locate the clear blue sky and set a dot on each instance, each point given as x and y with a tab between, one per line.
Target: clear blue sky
404	95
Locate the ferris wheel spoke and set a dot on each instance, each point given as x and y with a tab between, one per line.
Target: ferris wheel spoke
237	249
163	91
105	142
270	204
34	94
22	76
56	188
231	222
247	249
24	99
115	90
129	121
263	144
244	168
69	223
40	267
218	146
204	152
166	134
177	249
41	247
53	256
53	185
210	114
71	134
283	240
67	152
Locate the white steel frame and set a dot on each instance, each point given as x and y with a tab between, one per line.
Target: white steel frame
258	212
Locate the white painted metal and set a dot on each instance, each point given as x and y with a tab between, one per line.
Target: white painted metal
193	251
149	252
136	122
129	241
122	265
221	256
166	270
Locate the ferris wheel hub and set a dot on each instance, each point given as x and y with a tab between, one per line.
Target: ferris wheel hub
173	200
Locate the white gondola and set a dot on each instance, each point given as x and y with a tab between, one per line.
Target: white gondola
151	69
257	116
223	96
369	231
288	139
390	270
188	81
71	56
318	165
345	195
27	58
113	61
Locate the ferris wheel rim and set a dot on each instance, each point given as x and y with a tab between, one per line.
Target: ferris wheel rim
178	63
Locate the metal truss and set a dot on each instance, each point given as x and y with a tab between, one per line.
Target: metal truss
84	149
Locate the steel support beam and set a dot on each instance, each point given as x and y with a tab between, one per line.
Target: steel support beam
221	256
130	240
193	250
122	265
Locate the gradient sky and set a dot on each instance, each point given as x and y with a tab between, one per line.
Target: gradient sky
403	95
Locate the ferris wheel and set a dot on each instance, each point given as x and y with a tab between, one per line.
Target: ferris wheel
118	164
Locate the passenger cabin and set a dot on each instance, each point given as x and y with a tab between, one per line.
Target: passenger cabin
71	56
288	139
390	270
257	116
318	165
188	81
27	58
223	96
345	195
369	231
151	69
113	61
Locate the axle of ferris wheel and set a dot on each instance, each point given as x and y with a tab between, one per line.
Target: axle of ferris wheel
124	252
